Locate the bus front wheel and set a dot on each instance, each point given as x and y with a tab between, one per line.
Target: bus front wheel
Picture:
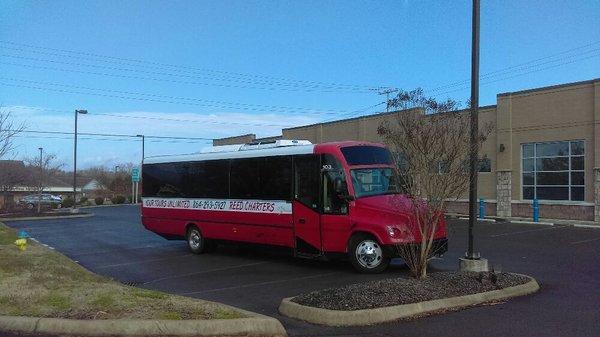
197	243
367	255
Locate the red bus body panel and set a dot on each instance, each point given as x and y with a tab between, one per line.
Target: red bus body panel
328	233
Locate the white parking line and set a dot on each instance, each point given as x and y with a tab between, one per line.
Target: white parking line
140	262
258	284
120	249
528	231
585	241
204	272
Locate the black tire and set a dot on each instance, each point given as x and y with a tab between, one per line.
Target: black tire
30	206
58	206
367	255
195	241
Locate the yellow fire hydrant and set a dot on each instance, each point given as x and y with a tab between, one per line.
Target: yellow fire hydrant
21	243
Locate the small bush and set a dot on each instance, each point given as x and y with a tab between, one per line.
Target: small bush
83	200
99	200
119	199
68	202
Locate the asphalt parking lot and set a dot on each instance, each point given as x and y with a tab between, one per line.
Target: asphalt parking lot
564	260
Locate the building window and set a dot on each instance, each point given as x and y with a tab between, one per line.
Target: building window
553	170
485	164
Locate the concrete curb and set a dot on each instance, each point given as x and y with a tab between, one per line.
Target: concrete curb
254	326
110	205
50	217
386	314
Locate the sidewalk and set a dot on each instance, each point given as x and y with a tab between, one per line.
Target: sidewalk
542	221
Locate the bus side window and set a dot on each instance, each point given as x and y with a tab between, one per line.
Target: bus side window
244	178
333	203
306	180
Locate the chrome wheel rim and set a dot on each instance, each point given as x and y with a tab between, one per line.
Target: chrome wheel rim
195	239
369	254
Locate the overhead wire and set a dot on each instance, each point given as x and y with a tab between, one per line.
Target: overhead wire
234	75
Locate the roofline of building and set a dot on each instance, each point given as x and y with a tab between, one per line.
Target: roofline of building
238	136
375	115
551	87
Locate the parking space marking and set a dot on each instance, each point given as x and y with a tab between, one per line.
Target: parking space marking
585	241
120	249
529	231
140	262
259	284
204	272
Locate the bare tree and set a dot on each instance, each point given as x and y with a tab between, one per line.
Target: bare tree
8	130
12	174
432	140
42	170
116	181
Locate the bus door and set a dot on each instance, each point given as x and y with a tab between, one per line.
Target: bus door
306	205
335	220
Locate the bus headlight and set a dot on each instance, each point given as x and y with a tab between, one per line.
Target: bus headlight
393	232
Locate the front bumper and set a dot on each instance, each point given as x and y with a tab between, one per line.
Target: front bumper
438	247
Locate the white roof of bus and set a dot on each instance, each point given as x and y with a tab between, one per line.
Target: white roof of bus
279	148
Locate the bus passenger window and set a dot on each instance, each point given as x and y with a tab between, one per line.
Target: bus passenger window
306	180
333	174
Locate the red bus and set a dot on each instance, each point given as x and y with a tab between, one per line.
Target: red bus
319	200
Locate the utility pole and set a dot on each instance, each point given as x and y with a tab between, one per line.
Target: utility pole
74	209
387	92
41	184
472	260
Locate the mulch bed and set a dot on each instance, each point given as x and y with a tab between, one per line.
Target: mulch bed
397	291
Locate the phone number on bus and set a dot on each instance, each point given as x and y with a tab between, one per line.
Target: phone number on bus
224	205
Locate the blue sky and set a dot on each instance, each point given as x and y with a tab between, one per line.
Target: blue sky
221	68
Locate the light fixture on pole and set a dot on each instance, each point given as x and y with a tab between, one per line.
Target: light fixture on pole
143	145
77	112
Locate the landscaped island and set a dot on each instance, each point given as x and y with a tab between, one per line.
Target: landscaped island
397	291
399	298
40	282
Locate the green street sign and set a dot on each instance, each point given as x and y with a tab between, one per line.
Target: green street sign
135	175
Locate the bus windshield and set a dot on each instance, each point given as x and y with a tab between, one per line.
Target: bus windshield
374	181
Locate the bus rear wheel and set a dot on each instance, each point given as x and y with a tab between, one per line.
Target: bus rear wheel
197	243
366	254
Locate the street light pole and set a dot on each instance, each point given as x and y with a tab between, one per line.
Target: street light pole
41	184
472	261
136	185
77	112
474	155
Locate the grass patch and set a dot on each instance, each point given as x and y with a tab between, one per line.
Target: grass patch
43	283
171	315
226	314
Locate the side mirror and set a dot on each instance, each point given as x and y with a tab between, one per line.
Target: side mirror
341	189
340	186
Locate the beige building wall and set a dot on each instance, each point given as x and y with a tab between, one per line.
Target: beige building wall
557	113
553	114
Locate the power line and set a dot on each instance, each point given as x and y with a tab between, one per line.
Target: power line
525	65
522	74
220	85
194	69
109	135
217	78
158	118
113	139
169	100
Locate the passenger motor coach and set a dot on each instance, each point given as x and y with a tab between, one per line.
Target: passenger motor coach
317	199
